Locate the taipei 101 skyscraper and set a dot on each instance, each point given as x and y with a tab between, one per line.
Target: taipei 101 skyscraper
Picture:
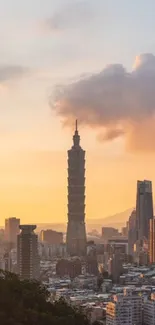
76	232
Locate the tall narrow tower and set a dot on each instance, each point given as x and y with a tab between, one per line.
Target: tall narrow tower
76	233
27	253
144	209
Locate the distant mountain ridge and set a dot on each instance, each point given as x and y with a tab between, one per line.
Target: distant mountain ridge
117	220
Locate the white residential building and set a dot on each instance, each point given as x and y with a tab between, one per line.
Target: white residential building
125	309
149	311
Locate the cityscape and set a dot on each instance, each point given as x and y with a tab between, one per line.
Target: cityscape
110	275
77	162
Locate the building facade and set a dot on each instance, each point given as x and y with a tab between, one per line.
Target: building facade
115	267
27	253
125	309
12	230
76	232
152	241
144	209
51	237
132	233
149	311
71	268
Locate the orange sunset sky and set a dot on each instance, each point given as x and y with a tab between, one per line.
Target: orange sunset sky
90	49
34	181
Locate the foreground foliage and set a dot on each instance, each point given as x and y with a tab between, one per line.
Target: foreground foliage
25	302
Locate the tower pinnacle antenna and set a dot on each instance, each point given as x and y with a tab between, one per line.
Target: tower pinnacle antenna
76	137
76	125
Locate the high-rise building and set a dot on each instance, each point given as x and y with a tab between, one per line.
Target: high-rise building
125	309
149	311
27	253
132	233
52	237
144	210
152	241
76	233
12	230
115	267
92	265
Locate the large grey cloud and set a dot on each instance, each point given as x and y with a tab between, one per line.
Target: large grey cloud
9	72
117	102
70	15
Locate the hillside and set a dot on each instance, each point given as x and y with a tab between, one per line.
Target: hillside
118	221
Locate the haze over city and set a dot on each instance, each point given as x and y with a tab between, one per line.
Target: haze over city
77	162
64	60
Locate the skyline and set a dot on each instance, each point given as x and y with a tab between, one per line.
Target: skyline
62	43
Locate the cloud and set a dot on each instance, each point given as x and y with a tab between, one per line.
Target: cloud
116	102
70	16
9	72
111	134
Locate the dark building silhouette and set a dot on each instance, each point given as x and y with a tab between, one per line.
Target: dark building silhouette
132	233
76	233
144	211
12	230
91	262
143	258
62	268
7	262
71	268
52	237
27	253
92	265
115	267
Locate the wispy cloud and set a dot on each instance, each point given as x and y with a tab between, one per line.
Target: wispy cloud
116	102
10	72
72	15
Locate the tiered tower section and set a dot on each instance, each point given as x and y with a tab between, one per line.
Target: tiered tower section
76	233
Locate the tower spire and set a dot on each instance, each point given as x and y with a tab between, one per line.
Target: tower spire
76	137
76	125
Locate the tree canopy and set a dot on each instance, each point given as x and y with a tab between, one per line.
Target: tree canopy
26	302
